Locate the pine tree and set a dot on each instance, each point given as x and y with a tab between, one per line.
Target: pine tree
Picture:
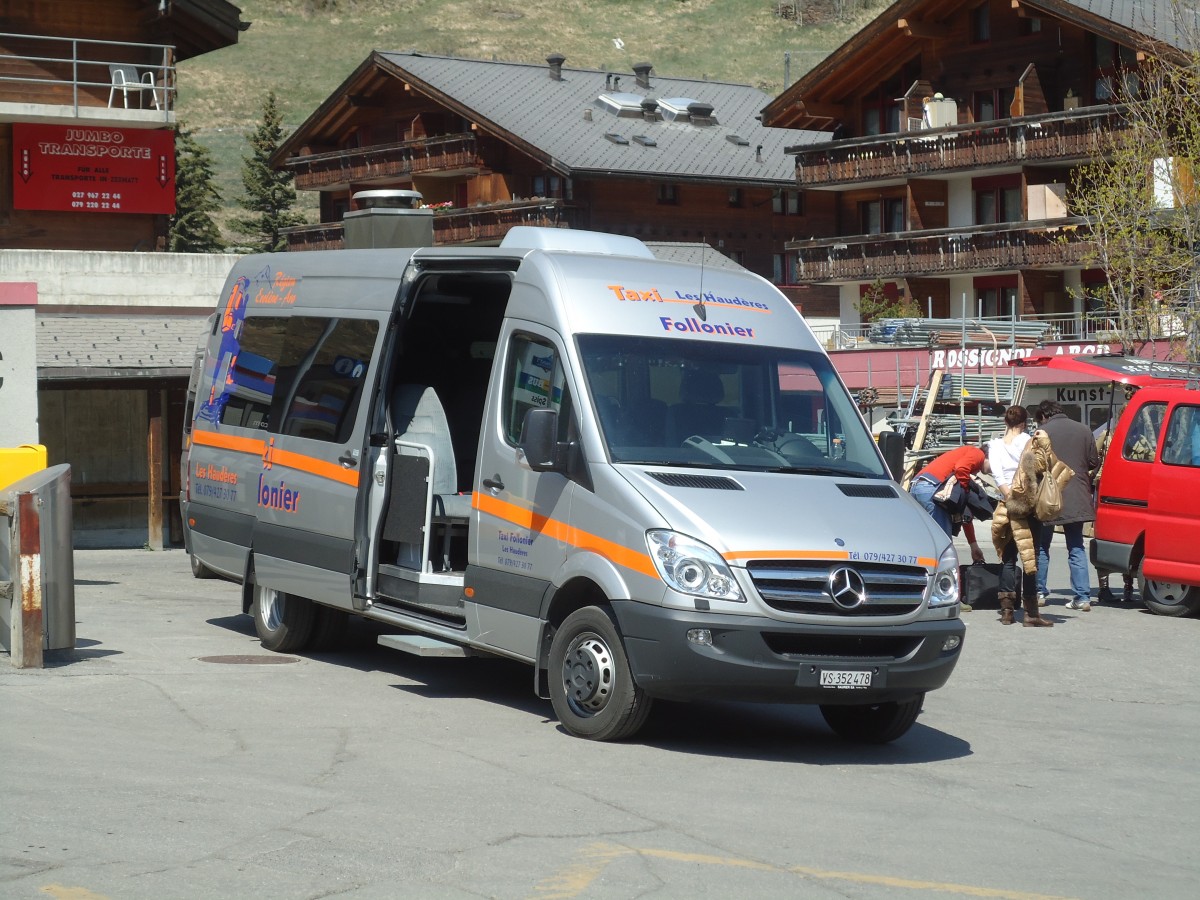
269	193
192	229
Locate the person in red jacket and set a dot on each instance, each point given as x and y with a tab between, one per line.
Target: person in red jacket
963	462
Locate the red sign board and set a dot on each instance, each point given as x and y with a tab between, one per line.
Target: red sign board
76	168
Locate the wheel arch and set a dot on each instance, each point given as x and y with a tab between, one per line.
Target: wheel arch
575	594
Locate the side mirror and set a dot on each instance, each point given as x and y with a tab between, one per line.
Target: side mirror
891	445
539	439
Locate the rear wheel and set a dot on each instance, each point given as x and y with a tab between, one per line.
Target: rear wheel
284	622
874	723
199	569
1167	598
591	686
330	627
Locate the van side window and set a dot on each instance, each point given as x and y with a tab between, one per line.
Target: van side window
300	375
249	383
1182	444
1141	441
322	366
534	379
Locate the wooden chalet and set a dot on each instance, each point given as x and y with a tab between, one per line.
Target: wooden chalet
496	144
952	132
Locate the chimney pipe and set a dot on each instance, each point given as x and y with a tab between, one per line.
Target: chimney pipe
642	71
556	61
616	82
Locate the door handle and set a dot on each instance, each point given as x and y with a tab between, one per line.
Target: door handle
494	483
349	459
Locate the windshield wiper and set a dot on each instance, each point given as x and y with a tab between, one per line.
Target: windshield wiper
819	470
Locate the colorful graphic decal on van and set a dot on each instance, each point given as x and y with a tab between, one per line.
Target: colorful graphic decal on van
227	351
229	371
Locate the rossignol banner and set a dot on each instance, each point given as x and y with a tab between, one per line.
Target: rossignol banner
76	168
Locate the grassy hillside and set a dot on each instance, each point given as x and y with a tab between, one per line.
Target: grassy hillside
303	49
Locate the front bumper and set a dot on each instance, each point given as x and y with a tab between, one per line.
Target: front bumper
760	659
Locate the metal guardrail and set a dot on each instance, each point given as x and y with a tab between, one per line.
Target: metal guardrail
83	65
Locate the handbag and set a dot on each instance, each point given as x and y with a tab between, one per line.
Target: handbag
949	495
1047	504
980	585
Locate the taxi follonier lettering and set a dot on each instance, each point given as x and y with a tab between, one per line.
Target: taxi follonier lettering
277	496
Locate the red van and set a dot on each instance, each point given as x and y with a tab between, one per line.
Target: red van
1148	498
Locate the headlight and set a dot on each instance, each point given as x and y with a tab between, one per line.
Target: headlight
691	567
945	580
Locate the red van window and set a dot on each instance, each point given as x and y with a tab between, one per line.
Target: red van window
1141	441
1182	444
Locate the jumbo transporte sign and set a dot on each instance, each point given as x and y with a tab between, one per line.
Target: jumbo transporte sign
74	168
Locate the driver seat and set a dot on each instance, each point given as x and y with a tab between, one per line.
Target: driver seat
698	412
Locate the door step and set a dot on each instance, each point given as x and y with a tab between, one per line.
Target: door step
423	645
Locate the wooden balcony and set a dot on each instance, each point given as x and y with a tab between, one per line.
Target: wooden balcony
484	225
1050	244
1072	135
446	155
65	80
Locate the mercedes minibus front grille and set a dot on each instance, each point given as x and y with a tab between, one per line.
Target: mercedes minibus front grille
802	586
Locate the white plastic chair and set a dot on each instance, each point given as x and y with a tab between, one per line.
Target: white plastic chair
125	79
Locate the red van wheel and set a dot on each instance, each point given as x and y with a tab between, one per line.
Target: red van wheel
1168	598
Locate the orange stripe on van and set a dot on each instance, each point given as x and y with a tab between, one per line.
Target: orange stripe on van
229	442
568	534
286	458
926	561
313	466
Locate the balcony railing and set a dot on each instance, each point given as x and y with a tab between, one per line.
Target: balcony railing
1047	244
442	154
476	225
1033	330
81	75
1070	135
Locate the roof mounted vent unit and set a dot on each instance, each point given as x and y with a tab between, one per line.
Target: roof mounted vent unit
685	109
555	61
642	72
737	139
650	110
644	140
701	113
616	138
387	218
621	104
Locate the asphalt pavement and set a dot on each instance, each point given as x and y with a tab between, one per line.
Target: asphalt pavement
169	755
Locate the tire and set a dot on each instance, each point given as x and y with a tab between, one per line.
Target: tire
591	687
1166	598
330	627
199	569
874	723
284	622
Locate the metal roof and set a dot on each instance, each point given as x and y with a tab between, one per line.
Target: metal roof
563	119
116	346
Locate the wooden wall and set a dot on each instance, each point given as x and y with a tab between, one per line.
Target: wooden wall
22	229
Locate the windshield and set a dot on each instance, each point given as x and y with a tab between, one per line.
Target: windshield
699	403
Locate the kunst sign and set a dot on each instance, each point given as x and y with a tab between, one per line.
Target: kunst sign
72	168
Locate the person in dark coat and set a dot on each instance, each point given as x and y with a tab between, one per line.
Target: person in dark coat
1074	444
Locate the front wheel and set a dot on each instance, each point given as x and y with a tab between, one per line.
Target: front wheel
591	687
284	622
1167	598
874	723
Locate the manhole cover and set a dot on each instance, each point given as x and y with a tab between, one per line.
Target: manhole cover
248	660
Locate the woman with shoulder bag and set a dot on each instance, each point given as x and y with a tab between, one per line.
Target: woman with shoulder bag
1004	453
1016	518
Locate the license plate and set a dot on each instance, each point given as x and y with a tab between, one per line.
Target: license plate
844	679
